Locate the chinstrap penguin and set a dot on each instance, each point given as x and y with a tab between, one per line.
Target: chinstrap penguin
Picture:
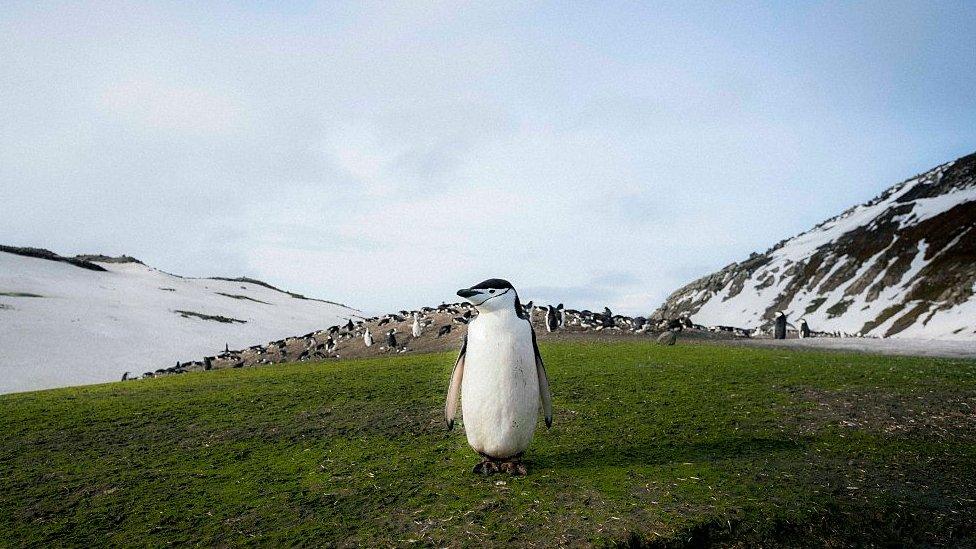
554	318
779	325
500	378
417	328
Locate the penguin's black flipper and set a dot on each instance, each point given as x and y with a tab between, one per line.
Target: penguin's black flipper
454	389
540	370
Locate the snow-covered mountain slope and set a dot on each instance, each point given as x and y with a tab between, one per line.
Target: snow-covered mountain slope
902	265
71	321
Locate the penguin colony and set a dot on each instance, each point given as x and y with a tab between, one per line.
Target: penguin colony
441	328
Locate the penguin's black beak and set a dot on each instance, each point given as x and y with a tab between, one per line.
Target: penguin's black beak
466	293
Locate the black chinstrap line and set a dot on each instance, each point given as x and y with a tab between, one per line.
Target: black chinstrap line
492	297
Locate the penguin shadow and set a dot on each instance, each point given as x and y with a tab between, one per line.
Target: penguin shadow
664	454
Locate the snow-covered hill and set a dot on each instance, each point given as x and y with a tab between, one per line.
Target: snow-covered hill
902	265
71	321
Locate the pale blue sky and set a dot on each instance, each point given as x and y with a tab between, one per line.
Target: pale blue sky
385	154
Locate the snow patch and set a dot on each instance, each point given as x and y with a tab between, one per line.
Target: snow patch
92	326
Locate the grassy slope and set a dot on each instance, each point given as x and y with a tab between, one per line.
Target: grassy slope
650	444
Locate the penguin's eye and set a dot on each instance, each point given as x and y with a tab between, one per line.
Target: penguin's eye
491	291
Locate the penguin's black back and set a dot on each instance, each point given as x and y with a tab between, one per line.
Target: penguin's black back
780	332
552	318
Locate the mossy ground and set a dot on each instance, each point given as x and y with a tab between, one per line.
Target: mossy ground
662	446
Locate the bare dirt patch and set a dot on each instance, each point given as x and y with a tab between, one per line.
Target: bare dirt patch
924	413
238	296
215	318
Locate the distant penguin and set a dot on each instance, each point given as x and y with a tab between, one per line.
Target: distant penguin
125	376
561	314
349	325
500	378
444	330
608	318
638	323
330	344
553	315
391	341
529	310
804	329
779	330
417	328
368	338
226	347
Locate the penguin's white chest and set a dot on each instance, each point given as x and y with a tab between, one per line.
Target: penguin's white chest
500	387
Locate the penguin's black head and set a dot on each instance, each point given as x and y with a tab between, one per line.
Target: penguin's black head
493	294
494	283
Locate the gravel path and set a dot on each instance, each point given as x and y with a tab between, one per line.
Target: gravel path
893	346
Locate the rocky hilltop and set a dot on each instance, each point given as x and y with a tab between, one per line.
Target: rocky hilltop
437	329
903	265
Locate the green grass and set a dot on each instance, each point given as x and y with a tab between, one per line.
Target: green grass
665	446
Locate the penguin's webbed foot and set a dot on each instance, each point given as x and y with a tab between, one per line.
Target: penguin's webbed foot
486	467
515	468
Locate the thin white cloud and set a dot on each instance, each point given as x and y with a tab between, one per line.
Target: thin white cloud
160	105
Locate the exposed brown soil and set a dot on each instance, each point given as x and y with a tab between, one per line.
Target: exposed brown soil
921	413
350	344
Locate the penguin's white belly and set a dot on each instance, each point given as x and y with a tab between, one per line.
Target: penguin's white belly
500	387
